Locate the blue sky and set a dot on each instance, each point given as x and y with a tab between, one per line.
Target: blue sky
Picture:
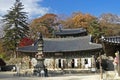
93	7
37	8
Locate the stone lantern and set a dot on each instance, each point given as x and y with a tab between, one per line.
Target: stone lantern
39	57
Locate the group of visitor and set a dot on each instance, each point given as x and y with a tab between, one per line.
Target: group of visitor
109	65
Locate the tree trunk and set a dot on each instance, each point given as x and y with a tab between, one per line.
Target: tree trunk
96	40
15	54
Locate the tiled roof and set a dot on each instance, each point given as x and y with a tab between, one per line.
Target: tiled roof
70	31
63	45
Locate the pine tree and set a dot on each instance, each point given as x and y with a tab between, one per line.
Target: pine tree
16	26
95	30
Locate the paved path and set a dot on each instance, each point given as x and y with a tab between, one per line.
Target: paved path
93	76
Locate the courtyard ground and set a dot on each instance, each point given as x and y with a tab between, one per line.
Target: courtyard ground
78	76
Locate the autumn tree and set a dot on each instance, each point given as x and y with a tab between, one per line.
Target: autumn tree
25	42
16	26
82	20
78	20
109	18
44	25
111	23
67	23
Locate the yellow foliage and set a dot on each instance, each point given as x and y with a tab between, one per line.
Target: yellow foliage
82	20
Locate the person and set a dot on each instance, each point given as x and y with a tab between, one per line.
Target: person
97	64
116	62
101	63
110	73
42	73
46	72
72	63
30	64
18	69
86	63
110	65
116	59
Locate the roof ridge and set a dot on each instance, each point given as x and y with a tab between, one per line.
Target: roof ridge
68	38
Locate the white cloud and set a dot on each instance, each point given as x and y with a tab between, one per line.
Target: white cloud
31	6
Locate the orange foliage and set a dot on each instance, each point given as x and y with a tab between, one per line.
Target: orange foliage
43	24
82	20
78	20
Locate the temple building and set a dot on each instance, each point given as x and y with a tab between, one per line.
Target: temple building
71	32
111	44
72	48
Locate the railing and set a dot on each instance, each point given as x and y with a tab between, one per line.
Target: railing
112	39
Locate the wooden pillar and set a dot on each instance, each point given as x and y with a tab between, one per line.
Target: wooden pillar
93	61
54	63
66	63
79	62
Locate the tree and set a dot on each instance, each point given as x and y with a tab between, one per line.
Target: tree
82	20
25	42
68	23
110	18
111	22
78	20
95	30
44	25
16	26
2	53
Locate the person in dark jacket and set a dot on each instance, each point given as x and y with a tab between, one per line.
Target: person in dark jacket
46	72
110	72
110	65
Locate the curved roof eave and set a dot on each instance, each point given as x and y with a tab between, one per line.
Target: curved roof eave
63	45
71	51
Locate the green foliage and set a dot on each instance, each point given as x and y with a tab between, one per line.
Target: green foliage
16	26
95	30
2	55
